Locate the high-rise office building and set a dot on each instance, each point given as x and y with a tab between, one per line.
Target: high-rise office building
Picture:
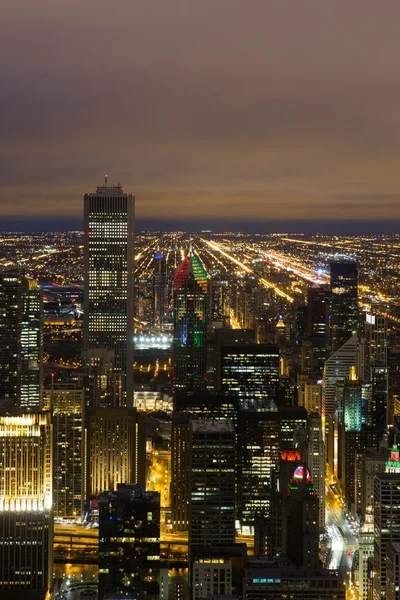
251	372
318	328
365	557
386	526
318	313
393	571
379	379
218	303
316	461
160	290
259	449
344	302
11	310
375	335
116	448
31	394
129	543
26	518
66	402
294	515
108	275
21	340
196	406
180	470
262	437
212	483
337	368
191	311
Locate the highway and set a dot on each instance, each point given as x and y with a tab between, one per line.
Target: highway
343	537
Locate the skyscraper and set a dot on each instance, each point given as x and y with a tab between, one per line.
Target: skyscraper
318	313
344	302
129	543
316	461
26	518
31	395
375	334
251	372
11	309
108	274
191	297
318	326
116	448
69	453
386	525
212	483
337	368
160	290
21	340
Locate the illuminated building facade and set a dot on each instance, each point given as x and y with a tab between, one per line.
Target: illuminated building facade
344	302
251	372
212	483
129	543
11	310
116	448
26	518
180	466
160	290
375	334
259	448
108	276
386	526
316	461
31	395
69	454
191	310
365	557
196	406
337	368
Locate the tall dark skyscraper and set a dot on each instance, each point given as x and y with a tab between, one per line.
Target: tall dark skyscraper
191	297
251	372
31	346
318	313
129	543
10	334
160	290
386	525
212	482
21	340
108	272
344	307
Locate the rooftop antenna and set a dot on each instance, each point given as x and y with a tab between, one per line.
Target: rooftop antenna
105	179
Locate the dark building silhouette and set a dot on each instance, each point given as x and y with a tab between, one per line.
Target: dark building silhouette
129	543
344	307
160	290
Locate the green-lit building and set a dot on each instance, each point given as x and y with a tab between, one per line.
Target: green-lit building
191	297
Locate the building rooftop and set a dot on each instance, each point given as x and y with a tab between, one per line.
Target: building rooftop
291	573
212	426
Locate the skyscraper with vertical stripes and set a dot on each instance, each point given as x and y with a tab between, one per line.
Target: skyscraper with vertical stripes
191	297
108	321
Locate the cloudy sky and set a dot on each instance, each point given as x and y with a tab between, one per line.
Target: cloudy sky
211	111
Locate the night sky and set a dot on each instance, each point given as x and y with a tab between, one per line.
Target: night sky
216	113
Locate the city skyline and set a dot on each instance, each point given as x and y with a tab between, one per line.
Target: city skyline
280	111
